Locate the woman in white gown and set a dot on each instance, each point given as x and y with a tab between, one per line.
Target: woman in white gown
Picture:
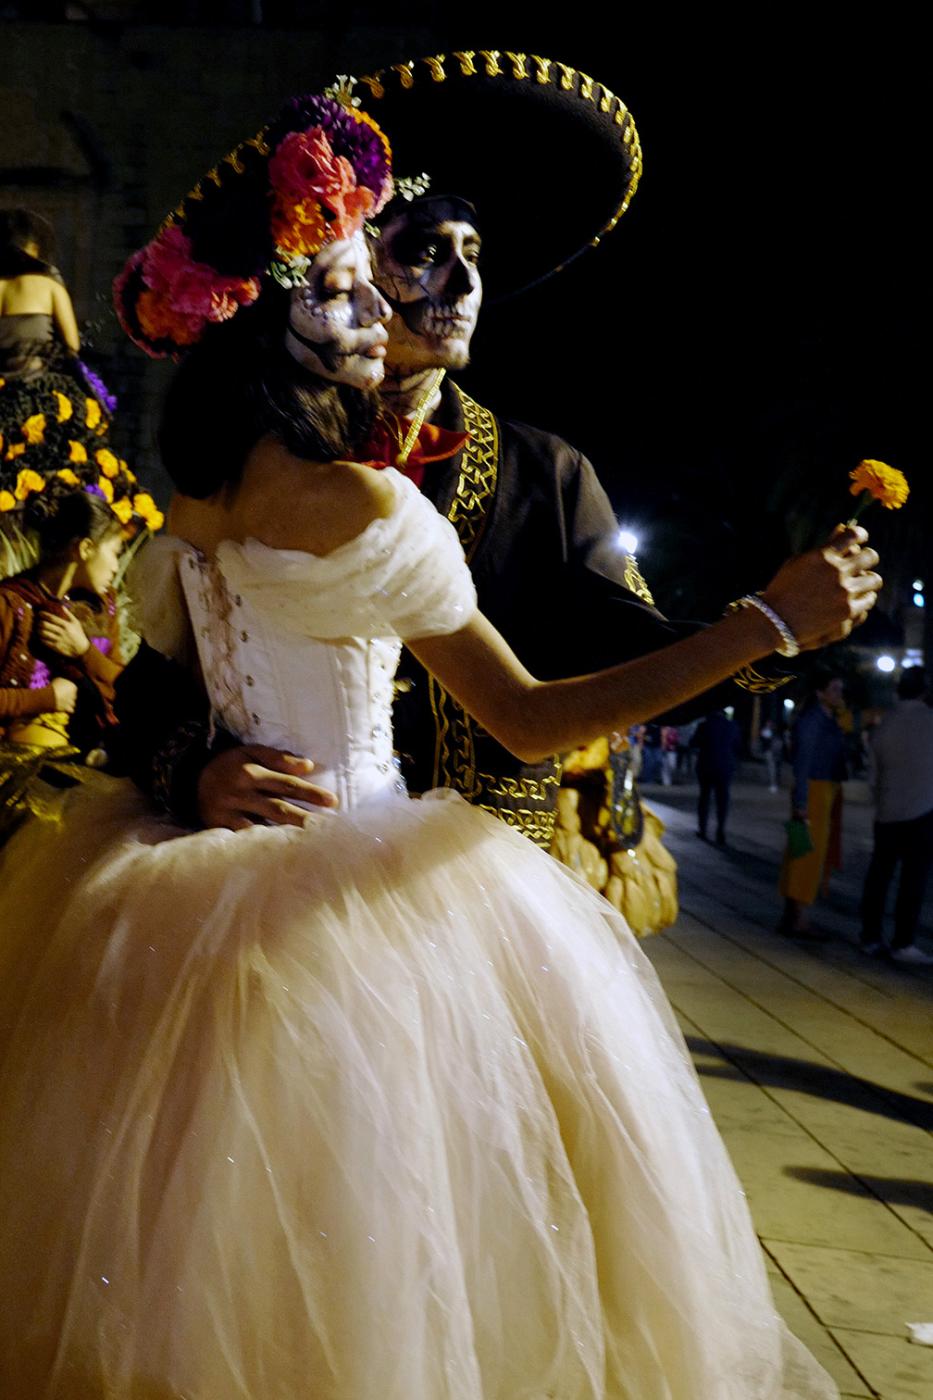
390	1107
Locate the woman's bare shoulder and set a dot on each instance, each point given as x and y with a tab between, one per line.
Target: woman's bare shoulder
289	503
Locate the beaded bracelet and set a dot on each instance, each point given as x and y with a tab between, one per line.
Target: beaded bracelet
789	644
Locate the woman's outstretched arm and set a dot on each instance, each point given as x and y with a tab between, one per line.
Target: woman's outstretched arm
63	315
821	595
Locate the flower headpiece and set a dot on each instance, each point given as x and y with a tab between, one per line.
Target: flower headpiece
313	175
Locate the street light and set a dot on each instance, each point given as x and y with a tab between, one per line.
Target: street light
919	601
628	541
788	705
887	664
918	584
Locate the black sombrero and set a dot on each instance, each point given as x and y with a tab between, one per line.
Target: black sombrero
549	157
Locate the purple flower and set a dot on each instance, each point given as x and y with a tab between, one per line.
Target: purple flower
41	676
98	387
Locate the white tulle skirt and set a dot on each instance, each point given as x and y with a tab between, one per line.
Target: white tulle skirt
392	1108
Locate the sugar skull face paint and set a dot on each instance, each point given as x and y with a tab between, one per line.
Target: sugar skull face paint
426	264
337	322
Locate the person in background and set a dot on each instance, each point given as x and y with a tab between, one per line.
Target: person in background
56	683
670	743
901	778
717	742
818	751
770	744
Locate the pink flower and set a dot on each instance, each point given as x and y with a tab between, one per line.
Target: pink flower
193	290
305	163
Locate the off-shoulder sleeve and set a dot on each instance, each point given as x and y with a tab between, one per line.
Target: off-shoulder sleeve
404	576
157	604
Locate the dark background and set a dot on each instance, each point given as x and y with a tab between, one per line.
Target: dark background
750	330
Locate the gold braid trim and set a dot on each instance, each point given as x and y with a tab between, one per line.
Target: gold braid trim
455	730
570	79
747	678
633	580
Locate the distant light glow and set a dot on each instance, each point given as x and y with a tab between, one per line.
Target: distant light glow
628	541
730	712
788	704
887	664
918	584
919	600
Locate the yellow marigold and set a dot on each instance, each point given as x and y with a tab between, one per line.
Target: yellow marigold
34	428
68	477
107	462
93	412
146	507
7	499
77	453
106	488
16	449
65	406
27	482
1	442
880	482
123	510
130	476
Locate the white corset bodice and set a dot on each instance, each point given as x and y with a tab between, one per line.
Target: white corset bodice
299	651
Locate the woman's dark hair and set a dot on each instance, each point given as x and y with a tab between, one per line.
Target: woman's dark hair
60	518
239	384
19	227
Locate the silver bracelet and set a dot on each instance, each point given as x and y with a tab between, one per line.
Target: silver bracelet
789	644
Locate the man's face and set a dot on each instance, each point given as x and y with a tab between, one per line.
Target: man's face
337	323
427	270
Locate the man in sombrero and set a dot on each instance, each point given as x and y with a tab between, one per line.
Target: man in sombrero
536	526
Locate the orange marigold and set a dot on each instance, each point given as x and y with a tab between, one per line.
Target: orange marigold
16	449
881	482
300	228
145	506
68	477
7	500
130	476
158	322
34	428
92	408
27	482
65	407
123	510
77	453
106	488
107	462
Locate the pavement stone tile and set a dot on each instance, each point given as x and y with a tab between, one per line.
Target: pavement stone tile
776	1172
894	1367
816	1338
856	1291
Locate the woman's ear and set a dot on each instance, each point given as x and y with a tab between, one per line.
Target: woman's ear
85	550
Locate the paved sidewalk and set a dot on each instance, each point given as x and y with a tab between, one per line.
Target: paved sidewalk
818	1065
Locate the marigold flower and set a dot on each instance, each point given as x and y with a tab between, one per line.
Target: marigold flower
7	500
107	462
880	482
77	453
130	475
123	510
65	406
16	449
105	487
27	482
68	477
146	508
34	428
93	410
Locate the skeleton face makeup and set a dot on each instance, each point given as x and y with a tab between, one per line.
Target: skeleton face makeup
337	323
427	269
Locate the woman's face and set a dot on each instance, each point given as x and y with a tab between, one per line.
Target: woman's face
337	323
98	563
